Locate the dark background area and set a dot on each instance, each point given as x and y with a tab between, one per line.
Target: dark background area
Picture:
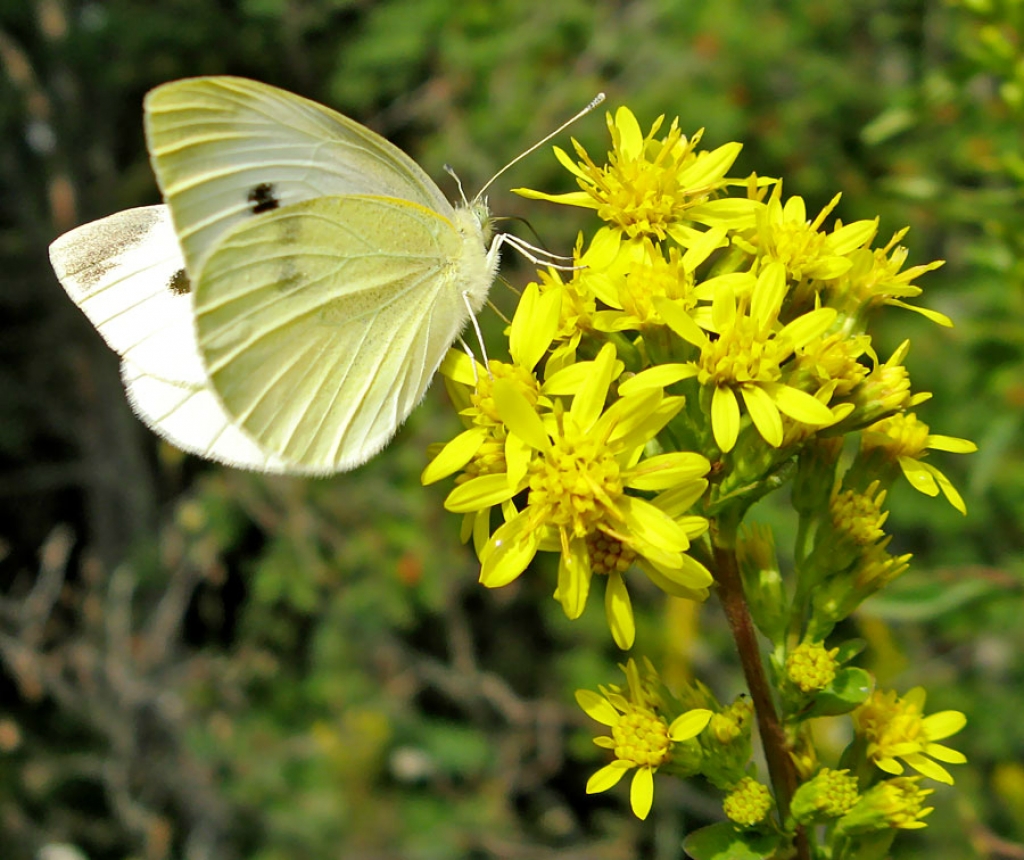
202	663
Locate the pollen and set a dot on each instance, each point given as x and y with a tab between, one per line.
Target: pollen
742	355
574	487
641	738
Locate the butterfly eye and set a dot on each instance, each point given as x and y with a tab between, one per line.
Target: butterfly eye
262	198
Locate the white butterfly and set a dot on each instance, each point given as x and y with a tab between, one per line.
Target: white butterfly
287	308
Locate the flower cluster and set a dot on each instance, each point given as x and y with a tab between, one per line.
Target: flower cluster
709	345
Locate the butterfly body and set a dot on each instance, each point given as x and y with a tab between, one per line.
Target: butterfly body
288	306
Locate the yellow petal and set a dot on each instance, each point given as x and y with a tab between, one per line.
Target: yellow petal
607	777
511	548
799	405
668	470
725	418
597	707
690	724
808	326
479	493
946	754
574	576
951	444
619	611
926	767
518	415
768	294
631	138
920	478
651	525
534	325
589	403
454	455
659	376
764	413
641	792
943	724
677	319
458	366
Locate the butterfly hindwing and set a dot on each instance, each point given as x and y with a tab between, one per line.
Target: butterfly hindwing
127	274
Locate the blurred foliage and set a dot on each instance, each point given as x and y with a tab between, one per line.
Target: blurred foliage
197	663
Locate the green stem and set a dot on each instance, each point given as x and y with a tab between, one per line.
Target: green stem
773	736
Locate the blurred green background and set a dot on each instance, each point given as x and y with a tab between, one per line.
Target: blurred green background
206	664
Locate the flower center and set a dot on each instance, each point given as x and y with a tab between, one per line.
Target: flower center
608	554
641	738
859	516
641	193
575	484
741	355
656	277
797	246
906	436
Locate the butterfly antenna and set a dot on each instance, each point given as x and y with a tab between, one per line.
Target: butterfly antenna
593	104
451	172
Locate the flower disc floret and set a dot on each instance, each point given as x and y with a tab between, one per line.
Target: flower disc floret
575	484
811	667
749	803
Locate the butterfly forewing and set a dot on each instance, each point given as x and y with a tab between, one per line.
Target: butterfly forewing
322	323
225	149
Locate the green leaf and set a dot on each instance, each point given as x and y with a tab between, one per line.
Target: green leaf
850	687
850	649
723	841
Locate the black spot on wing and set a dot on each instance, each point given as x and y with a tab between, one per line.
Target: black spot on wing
179	283
262	198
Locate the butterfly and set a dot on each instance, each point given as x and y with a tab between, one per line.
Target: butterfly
288	305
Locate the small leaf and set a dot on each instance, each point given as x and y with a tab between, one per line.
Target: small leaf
723	841
850	687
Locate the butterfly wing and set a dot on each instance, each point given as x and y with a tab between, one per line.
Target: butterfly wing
225	148
127	274
321	324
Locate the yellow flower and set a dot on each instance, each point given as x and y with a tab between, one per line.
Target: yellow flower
641	737
483	448
747	358
896	728
857	517
893	804
785	235
811	666
829	794
652	187
640	278
907	441
748	803
578	465
874	278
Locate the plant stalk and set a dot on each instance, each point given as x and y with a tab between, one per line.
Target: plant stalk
773	737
